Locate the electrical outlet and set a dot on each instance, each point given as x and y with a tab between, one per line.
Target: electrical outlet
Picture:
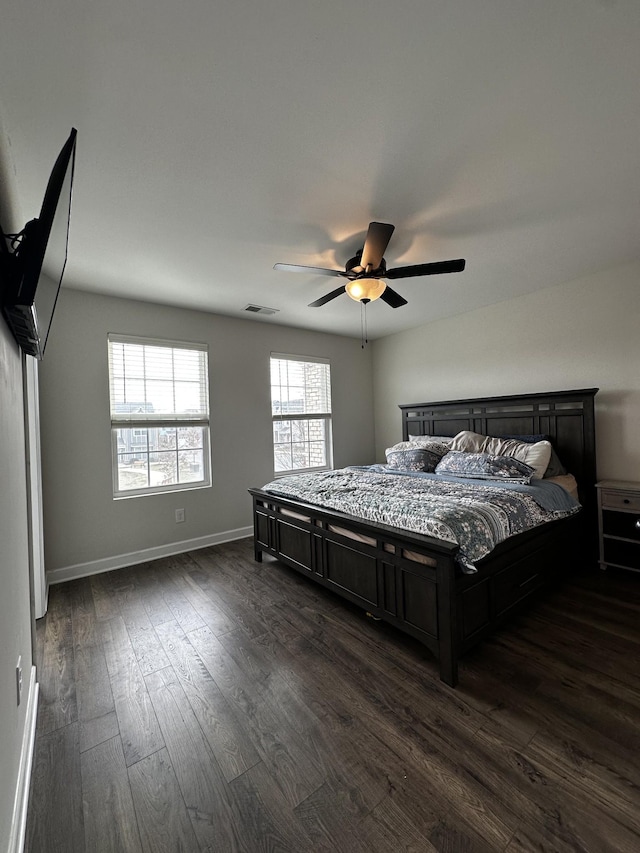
179	515
19	679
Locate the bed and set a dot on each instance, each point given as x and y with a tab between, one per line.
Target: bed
417	582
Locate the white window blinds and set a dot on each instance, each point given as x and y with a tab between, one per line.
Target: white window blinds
157	382
299	386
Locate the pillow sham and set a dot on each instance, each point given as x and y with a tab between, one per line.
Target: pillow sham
485	466
555	468
436	443
414	459
536	455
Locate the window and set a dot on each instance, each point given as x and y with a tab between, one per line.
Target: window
301	410
159	416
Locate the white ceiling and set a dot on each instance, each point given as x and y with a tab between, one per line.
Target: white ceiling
218	138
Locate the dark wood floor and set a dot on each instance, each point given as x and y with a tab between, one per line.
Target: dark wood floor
209	703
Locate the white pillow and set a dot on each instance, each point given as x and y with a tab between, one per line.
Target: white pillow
536	455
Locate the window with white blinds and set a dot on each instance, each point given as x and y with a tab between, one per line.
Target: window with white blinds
159	394
301	413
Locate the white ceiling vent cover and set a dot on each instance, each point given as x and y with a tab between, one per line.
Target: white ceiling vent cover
260	309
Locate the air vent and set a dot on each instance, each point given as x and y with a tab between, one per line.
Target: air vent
260	309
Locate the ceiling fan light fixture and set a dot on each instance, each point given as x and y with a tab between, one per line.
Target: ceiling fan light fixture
365	289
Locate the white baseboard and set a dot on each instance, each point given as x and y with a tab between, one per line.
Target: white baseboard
120	561
21	801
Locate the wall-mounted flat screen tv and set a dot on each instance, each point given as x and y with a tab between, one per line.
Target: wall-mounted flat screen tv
33	271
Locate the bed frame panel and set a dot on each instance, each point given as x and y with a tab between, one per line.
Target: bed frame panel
447	610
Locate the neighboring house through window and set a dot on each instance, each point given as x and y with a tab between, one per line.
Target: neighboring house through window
159	393
301	412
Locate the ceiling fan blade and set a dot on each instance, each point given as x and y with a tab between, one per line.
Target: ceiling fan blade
328	297
375	244
392	298
427	269
310	270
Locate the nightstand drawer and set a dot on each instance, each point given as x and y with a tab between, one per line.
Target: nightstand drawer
621	553
622	524
620	500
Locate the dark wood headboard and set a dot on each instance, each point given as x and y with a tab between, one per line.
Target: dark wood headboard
567	417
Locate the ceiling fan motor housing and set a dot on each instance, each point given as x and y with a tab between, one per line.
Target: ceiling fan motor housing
354	268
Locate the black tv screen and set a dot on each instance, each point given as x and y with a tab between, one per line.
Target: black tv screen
36	267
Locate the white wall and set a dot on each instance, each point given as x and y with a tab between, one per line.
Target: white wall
84	527
15	612
582	334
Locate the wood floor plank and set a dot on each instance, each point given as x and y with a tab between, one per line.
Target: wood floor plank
388	827
163	820
245	615
330	828
280	749
606	788
137	722
205	606
448	836
57	702
55	822
305	711
290	585
148	651
578	646
266	817
544	719
105	603
210	802
227	733
96	708
587	822
109	816
360	648
413	756
83	613
149	589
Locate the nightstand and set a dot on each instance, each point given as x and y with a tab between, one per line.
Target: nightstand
619	524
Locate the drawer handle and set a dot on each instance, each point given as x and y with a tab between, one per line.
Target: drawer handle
528	580
626	501
638	524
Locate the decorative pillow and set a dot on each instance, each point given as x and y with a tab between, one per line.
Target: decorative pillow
435	443
414	459
536	455
555	468
485	466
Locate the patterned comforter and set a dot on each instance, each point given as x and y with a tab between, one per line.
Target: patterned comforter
475	515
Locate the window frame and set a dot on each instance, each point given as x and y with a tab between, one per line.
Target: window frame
150	422
326	417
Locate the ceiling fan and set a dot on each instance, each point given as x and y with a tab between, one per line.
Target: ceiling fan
365	271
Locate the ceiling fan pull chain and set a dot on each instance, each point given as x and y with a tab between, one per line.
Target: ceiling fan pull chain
364	337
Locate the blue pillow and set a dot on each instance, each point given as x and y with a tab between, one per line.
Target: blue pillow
485	466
